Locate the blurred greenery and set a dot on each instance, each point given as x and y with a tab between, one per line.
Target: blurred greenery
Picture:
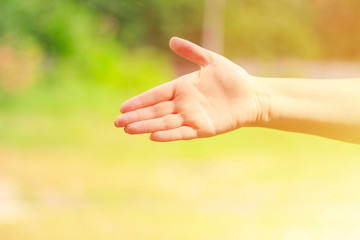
66	173
271	29
115	42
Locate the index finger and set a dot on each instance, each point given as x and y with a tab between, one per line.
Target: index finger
164	92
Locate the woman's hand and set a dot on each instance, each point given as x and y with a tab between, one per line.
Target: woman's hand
218	98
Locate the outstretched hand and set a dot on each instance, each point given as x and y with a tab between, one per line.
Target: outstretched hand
218	98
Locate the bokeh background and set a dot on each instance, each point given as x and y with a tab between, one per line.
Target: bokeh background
67	173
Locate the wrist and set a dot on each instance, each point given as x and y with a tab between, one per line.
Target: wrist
263	95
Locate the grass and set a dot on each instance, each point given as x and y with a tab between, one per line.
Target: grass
67	173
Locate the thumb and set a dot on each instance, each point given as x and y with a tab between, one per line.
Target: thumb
190	51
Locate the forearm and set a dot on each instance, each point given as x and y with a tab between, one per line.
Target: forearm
328	108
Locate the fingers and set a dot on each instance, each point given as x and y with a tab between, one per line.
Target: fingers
153	125
190	51
153	96
180	133
155	111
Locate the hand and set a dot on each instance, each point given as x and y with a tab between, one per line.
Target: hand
218	98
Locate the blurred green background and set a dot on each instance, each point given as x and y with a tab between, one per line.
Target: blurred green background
67	173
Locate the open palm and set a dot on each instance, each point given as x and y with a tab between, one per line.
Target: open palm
218	98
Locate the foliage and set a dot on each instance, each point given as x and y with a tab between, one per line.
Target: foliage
76	44
125	43
152	22
338	27
270	29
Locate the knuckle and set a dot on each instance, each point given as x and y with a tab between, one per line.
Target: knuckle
153	111
134	117
172	106
129	129
166	122
155	95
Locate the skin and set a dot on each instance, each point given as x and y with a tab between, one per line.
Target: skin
221	97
